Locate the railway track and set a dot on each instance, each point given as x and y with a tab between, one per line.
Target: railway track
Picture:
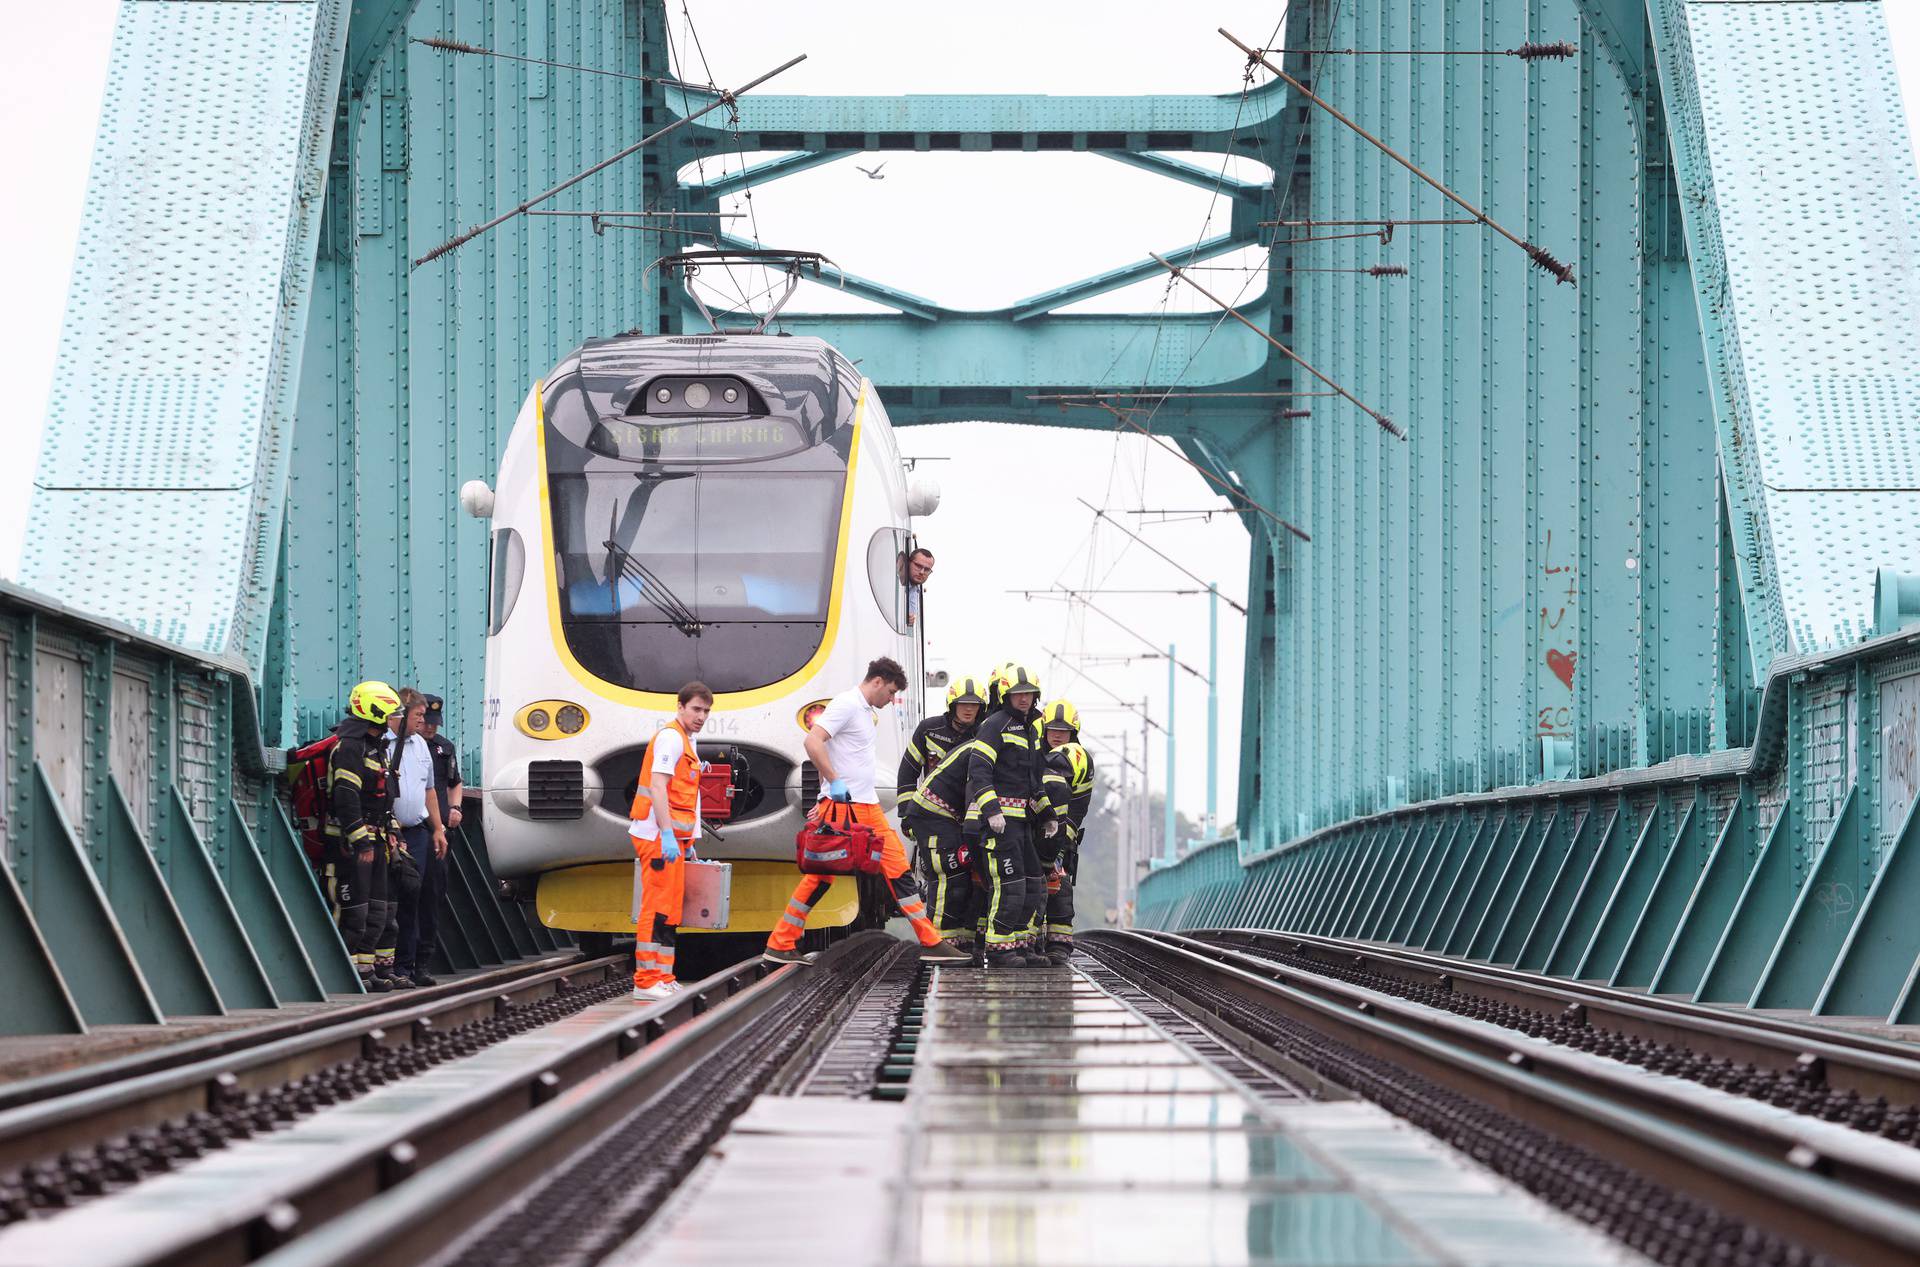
1869	1083
1680	1175
73	1136
494	1144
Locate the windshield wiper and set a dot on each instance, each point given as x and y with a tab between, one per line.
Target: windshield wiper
654	590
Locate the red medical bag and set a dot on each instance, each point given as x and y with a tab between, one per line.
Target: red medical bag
716	792
832	843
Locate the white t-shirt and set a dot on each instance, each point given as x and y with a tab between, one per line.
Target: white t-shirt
851	723
667	747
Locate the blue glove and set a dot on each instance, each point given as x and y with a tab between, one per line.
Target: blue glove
837	790
669	849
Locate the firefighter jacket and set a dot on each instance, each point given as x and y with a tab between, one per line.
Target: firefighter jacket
932	740
359	795
942	790
1069	784
1004	767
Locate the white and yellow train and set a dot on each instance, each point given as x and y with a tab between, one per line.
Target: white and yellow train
726	508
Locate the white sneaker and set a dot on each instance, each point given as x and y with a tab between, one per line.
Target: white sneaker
654	993
673	987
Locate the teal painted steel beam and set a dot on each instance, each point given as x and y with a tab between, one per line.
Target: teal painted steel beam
1211	180
1479	893
1376	921
77	922
38	1000
1824	912
1883	946
1627	897
963	123
1507	887
1402	917
1711	905
1113	279
194	879
156	933
1563	889
1666	904
1597	882
1531	886
1435	907
1758	916
879	292
762	174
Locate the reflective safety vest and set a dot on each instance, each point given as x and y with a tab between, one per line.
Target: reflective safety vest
683	792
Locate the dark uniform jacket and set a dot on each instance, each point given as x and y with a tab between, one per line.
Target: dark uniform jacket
1069	793
359	795
932	740
942	792
1004	766
446	769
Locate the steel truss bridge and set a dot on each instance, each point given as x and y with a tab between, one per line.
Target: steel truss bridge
1609	667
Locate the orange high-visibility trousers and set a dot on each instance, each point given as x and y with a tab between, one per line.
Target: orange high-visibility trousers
893	866
662	887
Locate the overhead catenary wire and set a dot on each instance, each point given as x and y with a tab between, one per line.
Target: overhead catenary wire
1539	255
1178	566
726	98
1385	422
456	46
1075	596
1231	491
1055	657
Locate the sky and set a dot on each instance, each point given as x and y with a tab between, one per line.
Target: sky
966	230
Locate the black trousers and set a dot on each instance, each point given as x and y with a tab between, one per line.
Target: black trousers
363	904
946	872
1057	906
419	916
1010	874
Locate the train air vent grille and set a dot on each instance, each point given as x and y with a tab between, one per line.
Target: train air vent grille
809	785
555	789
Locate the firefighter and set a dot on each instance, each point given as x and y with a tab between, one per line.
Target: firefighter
360	821
663	825
1069	783
1007	803
934	823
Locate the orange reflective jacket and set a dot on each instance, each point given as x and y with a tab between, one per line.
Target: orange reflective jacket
683	791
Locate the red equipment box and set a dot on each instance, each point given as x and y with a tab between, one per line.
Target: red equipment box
832	843
716	792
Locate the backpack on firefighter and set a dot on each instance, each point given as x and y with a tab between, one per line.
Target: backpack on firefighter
306	784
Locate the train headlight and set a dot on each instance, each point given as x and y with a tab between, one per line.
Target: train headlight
663	395
698	396
551	719
810	711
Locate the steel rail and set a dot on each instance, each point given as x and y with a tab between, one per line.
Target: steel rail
139	1098
666	1036
422	1221
1870	1065
1858	1201
230	1041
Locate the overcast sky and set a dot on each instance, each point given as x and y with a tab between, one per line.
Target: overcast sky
1053	218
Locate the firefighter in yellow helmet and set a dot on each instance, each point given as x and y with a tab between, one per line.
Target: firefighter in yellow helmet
359	824
1006	806
931	809
1069	783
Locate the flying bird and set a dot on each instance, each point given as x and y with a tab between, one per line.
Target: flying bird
873	173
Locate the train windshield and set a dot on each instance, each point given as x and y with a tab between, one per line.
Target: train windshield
711	559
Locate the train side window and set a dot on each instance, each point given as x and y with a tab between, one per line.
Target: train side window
886	566
506	568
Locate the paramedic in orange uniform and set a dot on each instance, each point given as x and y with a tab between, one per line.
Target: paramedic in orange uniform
840	744
665	823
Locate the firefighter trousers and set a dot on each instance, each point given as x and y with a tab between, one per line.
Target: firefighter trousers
893	868
946	871
1010	869
364	907
1059	864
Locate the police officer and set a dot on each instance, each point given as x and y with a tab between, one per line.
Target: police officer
1007	801
1069	783
359	822
934	822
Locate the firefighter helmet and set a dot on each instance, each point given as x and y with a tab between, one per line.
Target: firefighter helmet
1017	678
1077	761
1061	713
373	702
966	691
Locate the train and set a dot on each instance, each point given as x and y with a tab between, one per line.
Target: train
728	508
